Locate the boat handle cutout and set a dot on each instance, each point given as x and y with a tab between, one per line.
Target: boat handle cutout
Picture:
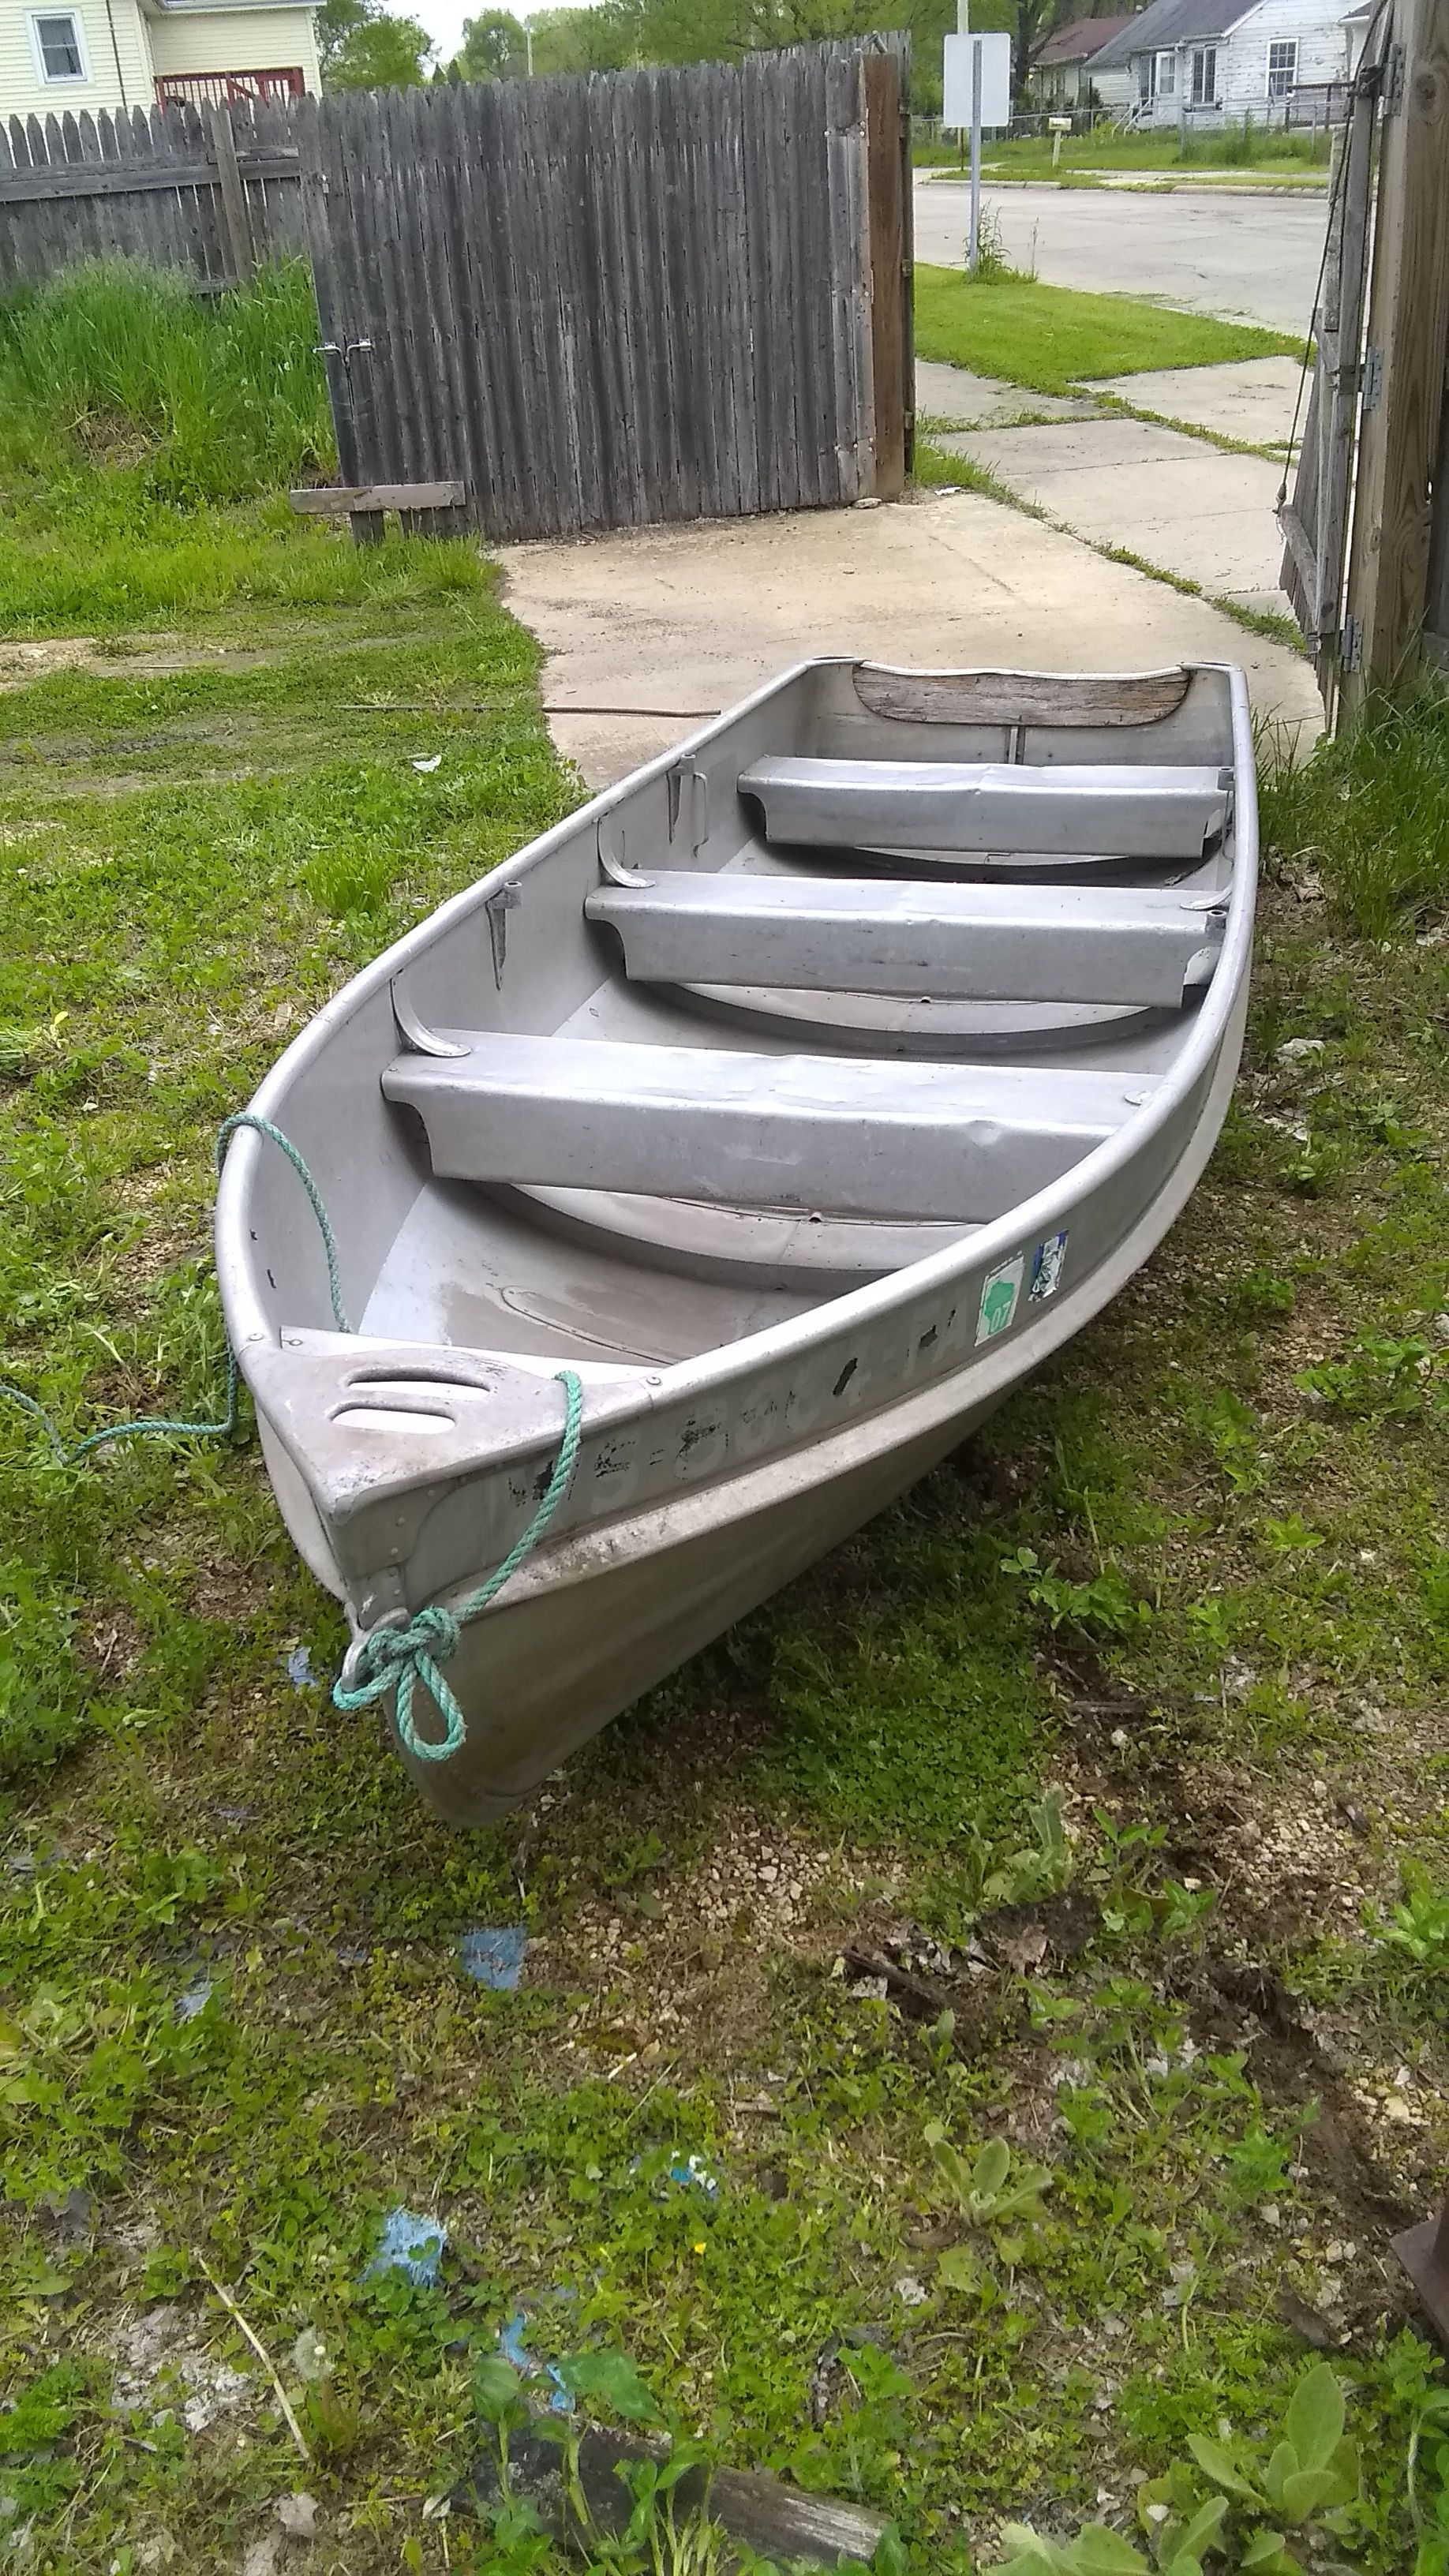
421	1039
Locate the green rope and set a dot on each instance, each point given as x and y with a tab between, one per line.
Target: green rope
402	1652
165	1426
264	1127
71	1453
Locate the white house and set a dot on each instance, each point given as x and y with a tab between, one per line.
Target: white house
1205	62
1064	71
91	54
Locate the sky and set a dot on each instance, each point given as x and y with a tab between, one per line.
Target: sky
444	18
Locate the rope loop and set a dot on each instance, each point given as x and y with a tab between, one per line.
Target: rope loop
402	1652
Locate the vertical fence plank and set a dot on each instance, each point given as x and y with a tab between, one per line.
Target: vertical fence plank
236	227
1408	324
883	115
766	388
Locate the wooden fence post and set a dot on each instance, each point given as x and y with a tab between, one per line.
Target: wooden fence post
882	75
1404	362
236	223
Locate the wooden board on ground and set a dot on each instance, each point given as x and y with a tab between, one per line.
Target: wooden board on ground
761	2512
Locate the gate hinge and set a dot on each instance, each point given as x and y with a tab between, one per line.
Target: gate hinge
1350	644
1373	378
1391	85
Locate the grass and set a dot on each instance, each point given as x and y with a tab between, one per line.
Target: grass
1052	338
146	440
1369	811
1194	1581
1246	150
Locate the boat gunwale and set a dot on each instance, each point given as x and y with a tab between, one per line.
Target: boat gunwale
723	1364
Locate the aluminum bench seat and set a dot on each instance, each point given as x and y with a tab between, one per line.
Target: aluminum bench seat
999	943
826	1133
1097	810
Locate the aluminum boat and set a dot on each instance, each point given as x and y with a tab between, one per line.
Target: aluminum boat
787	1105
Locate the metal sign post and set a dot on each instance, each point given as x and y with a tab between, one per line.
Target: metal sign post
976	91
973	237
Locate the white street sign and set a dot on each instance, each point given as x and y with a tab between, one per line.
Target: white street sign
995	52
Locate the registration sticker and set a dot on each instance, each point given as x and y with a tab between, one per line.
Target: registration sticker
1046	1268
999	1298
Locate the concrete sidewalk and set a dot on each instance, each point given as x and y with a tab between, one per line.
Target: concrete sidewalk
648	630
1160	493
1253	399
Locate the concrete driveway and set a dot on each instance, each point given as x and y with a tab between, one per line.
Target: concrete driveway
1252	258
648	630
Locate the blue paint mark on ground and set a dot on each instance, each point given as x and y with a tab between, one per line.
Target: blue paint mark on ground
511	2345
495	1957
409	2244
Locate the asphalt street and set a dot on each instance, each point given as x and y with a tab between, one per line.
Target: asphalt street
1253	258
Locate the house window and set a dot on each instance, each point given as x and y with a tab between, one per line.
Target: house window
58	46
1146	77
1205	76
1282	67
1166	75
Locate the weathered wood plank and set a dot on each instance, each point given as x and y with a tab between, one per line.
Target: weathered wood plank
883	116
760	2513
235	220
1020	697
337	500
1408	324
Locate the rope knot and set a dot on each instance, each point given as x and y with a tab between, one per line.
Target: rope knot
404	1650
397	1656
385	1653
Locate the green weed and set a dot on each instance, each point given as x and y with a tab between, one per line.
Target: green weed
1366	812
1418	1927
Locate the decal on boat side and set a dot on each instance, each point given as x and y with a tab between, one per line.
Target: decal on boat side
999	1295
1046	1268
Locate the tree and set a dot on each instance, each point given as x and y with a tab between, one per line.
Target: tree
362	46
602	39
494	47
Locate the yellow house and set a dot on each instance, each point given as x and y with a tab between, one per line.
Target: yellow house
91	54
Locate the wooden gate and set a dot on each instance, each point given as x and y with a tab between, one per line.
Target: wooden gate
1316	521
1367	566
647	295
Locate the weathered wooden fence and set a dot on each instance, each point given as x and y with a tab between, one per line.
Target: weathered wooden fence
1367	566
210	191
648	295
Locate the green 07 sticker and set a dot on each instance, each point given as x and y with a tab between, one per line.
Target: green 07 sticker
1000	1296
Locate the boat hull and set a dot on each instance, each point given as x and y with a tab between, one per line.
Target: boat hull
589	1626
